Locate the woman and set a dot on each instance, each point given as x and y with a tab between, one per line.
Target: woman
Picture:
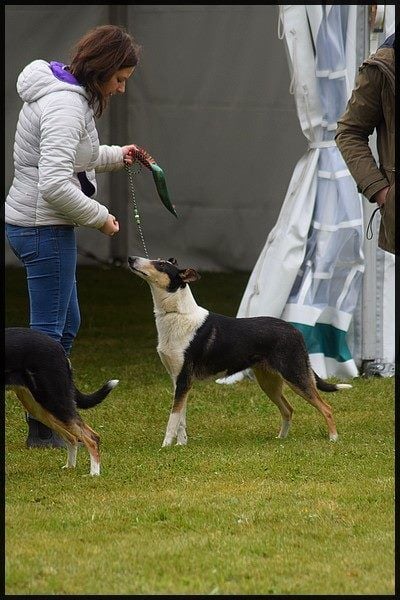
56	156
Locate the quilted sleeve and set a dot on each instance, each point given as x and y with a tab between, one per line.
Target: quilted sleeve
110	159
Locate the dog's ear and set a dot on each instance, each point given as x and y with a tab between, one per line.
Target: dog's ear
189	275
173	261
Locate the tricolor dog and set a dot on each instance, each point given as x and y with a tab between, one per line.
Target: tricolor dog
38	370
194	343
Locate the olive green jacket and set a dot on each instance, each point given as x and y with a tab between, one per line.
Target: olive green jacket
372	106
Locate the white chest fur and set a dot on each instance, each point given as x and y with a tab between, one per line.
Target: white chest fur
178	318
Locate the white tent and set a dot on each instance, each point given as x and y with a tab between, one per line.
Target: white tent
316	269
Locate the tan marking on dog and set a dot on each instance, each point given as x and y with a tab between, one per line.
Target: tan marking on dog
272	384
73	432
146	269
323	407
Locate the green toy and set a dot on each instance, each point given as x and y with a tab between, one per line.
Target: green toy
139	154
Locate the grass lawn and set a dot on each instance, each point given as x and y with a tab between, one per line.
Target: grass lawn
236	511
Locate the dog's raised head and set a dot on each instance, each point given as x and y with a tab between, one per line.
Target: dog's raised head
164	274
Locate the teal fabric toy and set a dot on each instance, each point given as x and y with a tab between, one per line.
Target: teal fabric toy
139	154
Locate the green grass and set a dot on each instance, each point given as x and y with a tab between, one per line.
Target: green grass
237	511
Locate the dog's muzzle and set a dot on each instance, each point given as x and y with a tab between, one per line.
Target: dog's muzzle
131	262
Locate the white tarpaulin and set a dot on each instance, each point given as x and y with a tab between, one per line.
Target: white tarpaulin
310	271
325	293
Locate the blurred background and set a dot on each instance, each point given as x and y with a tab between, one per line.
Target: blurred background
221	99
209	101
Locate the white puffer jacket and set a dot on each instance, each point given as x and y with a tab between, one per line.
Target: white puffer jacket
56	137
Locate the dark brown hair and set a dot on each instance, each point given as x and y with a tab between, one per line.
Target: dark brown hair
97	56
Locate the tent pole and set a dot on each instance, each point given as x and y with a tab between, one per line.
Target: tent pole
118	190
368	349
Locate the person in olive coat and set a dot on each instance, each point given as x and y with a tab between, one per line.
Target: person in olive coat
372	106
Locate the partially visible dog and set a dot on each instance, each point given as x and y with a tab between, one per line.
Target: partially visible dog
38	370
194	343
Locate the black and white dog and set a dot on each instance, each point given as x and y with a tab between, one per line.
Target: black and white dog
194	343
38	370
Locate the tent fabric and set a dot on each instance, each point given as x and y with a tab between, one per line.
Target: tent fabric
343	312
310	270
324	296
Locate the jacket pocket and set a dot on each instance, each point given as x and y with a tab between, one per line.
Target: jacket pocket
387	233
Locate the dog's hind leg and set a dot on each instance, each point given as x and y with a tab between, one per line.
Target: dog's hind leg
272	383
91	440
44	416
308	391
77	431
72	452
298	374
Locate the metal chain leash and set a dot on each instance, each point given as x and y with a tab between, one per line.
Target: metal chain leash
131	173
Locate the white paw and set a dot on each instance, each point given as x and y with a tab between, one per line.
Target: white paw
181	438
181	442
333	437
284	429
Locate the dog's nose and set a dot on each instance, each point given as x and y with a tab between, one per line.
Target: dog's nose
131	259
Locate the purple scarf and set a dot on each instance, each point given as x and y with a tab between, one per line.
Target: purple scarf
60	71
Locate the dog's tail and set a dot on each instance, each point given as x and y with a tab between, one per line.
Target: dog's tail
89	400
324	386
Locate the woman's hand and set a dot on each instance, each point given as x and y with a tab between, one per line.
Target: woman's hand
128	153
111	226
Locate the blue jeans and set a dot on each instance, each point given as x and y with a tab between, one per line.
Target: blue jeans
49	255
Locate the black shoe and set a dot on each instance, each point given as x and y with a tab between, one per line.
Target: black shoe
40	436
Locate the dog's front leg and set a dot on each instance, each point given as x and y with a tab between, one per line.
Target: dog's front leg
176	426
181	437
176	423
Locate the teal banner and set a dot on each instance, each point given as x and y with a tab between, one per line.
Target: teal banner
325	339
